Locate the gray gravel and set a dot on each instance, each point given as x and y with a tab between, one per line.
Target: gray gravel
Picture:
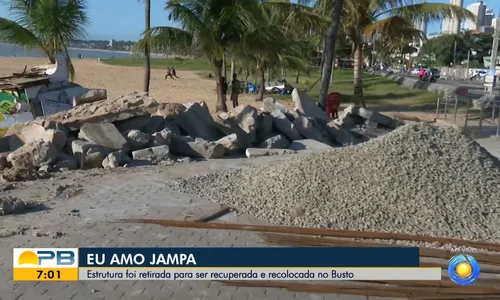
419	179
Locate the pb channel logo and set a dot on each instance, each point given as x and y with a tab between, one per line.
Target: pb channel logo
45	264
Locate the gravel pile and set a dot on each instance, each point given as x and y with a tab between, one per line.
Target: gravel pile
419	179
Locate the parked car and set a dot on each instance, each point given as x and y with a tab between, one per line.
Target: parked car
435	73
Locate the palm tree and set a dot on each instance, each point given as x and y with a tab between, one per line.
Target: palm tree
329	51
147	50
281	39
471	42
388	18
47	25
212	26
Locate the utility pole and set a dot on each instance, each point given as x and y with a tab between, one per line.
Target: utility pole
494	49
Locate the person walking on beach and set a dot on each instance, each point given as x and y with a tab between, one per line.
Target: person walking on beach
169	74
174	73
235	90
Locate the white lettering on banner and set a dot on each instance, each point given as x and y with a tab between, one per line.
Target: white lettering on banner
194	273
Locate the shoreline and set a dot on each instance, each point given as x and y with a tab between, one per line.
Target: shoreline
130	53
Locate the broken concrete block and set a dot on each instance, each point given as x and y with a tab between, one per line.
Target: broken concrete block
32	132
206	149
162	138
246	118
307	107
136	139
285	126
372	115
270	104
311	129
92	158
116	159
153	154
33	155
198	122
65	161
259	152
3	161
103	134
278	141
341	135
89	96
78	148
230	143
310	146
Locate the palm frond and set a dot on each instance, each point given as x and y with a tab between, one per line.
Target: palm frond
185	13
160	39
11	32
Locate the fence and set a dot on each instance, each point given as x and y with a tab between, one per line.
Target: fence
458	73
448	99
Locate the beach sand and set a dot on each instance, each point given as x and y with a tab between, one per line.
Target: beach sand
118	81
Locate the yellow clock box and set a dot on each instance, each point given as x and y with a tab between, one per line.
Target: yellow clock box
45	264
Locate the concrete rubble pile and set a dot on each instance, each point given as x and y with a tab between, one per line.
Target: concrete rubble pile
136	130
420	179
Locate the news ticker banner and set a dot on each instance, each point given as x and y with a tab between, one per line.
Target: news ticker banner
72	264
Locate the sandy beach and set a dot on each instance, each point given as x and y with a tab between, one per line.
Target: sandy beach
119	80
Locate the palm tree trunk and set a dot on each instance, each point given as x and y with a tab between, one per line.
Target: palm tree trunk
262	84
232	67
221	98
224	65
147	54
329	51
322	62
358	81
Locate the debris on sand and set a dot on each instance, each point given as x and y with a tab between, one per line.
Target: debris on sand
136	130
419	179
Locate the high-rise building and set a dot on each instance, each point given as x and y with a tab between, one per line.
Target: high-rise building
488	17
452	25
479	10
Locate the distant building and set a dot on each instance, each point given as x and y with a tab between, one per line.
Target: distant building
111	43
494	22
452	25
488	17
479	10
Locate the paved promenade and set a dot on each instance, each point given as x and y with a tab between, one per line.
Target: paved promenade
80	215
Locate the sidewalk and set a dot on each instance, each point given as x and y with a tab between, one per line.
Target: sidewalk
82	221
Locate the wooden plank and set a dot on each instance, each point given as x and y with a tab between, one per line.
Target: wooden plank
318	232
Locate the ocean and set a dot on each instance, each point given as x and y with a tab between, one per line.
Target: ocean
8	50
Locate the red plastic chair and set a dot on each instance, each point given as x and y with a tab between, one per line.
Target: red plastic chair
333	105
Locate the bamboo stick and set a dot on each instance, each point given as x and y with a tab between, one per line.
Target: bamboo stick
371	290
317	231
216	215
297	240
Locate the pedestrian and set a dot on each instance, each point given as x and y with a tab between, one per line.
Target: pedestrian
421	73
235	90
169	74
173	73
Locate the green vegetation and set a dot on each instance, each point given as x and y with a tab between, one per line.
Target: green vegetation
378	91
440	51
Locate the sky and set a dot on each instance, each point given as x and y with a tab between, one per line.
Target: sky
124	19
